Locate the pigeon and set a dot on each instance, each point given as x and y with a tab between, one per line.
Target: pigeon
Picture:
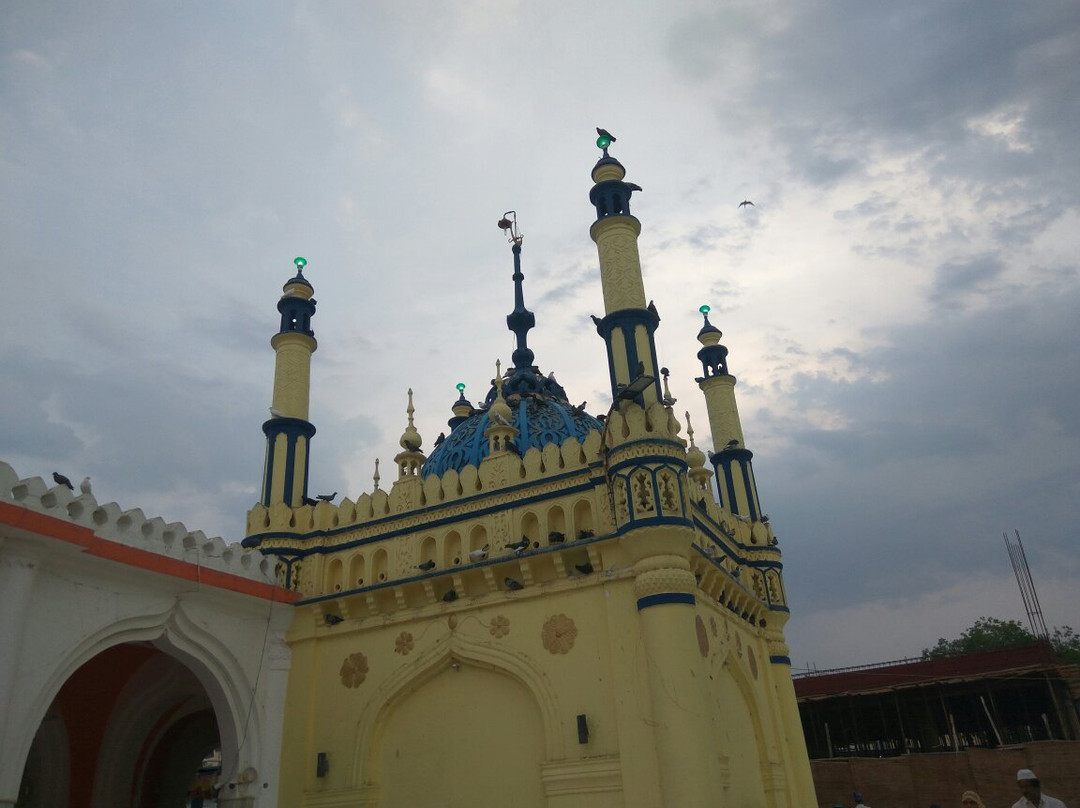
605	133
84	486
499	419
277	413
764	516
512	584
580	408
585	534
410	445
449	596
426	565
746	202
731	444
333	619
519	545
60	479
555	537
710	551
309	501
326	497
584	569
481	554
439	440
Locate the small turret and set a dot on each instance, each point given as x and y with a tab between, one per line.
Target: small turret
462	408
500	430
731	459
288	432
411	459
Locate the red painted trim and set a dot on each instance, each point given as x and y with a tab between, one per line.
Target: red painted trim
51	527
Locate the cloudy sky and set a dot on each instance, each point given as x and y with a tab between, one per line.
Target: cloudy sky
900	304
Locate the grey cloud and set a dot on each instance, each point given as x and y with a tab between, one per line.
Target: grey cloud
957	278
972	430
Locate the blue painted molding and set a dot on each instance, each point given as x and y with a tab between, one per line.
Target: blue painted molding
664	598
780	660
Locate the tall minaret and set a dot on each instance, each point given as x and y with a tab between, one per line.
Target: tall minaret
731	460
629	323
288	432
646	468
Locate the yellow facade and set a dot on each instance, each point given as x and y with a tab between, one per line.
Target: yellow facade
626	650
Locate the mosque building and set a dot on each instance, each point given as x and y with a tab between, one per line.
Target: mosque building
550	607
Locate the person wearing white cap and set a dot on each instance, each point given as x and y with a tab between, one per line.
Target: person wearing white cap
1032	791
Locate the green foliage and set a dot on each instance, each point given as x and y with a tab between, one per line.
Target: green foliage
990	632
1066	644
986	633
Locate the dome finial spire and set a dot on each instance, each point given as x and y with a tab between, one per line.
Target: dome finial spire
525	377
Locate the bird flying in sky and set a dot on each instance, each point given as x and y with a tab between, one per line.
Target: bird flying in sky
747	202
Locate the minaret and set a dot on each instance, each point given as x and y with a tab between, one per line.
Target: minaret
288	432
646	467
731	459
629	323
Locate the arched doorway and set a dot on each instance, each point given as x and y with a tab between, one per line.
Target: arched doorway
129	728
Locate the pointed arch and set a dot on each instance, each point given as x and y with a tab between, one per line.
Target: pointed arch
435	660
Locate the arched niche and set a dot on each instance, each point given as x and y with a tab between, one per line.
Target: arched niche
452	549
583	518
530	527
335	575
556	521
356	570
477	538
379	566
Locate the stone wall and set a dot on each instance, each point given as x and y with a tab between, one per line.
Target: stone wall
917	781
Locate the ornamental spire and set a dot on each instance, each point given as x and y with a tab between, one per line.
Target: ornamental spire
524	378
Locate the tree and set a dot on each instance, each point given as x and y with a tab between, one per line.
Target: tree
990	632
1066	644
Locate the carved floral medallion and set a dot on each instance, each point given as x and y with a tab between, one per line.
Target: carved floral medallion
354	670
558	634
404	643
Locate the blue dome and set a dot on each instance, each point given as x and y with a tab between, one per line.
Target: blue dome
539	419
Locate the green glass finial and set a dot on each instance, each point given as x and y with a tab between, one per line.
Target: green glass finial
705	310
603	142
460	387
300	262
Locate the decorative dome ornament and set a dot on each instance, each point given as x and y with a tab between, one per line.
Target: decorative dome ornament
410	460
604	139
524	408
509	226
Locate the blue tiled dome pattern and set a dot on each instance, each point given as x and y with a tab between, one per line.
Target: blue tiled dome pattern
539	421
